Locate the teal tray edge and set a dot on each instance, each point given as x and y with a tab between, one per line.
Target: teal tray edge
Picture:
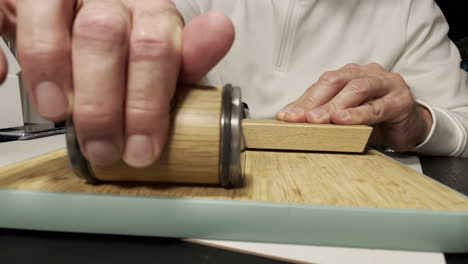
416	230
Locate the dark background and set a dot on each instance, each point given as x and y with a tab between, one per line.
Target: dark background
456	13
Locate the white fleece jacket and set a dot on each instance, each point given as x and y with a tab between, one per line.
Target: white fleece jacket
283	46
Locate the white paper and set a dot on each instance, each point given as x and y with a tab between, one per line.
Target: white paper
327	255
11	113
16	151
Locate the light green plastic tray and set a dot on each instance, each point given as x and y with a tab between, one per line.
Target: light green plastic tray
236	220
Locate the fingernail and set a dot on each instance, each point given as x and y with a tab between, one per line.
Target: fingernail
342	114
51	100
102	152
280	115
139	151
293	113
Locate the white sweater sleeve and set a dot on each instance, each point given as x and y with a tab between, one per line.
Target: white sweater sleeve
430	65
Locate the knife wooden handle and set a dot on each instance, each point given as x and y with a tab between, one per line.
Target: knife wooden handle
280	135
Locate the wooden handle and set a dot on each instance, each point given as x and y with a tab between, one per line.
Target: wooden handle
192	152
273	134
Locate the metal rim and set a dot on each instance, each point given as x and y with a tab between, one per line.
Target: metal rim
78	162
232	144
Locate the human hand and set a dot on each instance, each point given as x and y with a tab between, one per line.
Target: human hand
113	65
364	95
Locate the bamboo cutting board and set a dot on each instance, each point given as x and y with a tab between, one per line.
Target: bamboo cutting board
358	180
325	192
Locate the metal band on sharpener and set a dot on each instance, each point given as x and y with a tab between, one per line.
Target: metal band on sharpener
232	143
78	162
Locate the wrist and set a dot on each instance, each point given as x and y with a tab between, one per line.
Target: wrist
427	122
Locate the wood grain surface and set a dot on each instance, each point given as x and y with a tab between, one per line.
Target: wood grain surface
356	180
192	151
280	135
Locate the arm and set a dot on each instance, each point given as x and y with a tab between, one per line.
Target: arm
417	105
430	65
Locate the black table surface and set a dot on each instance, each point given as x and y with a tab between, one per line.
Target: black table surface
18	246
452	172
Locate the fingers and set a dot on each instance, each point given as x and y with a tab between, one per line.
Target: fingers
8	18
353	94
349	86
100	48
200	55
382	97
43	39
154	62
392	107
370	113
122	110
327	87
3	62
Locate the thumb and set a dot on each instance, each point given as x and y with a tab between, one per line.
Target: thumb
206	40
7	31
3	60
3	67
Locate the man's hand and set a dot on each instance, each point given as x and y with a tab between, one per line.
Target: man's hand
114	64
366	95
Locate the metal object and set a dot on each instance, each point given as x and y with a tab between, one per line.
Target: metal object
31	131
232	142
78	162
232	145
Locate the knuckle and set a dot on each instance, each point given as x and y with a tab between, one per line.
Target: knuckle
147	110
359	87
100	25
396	77
154	34
309	102
351	73
376	109
41	50
375	66
351	65
93	115
150	47
330	77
